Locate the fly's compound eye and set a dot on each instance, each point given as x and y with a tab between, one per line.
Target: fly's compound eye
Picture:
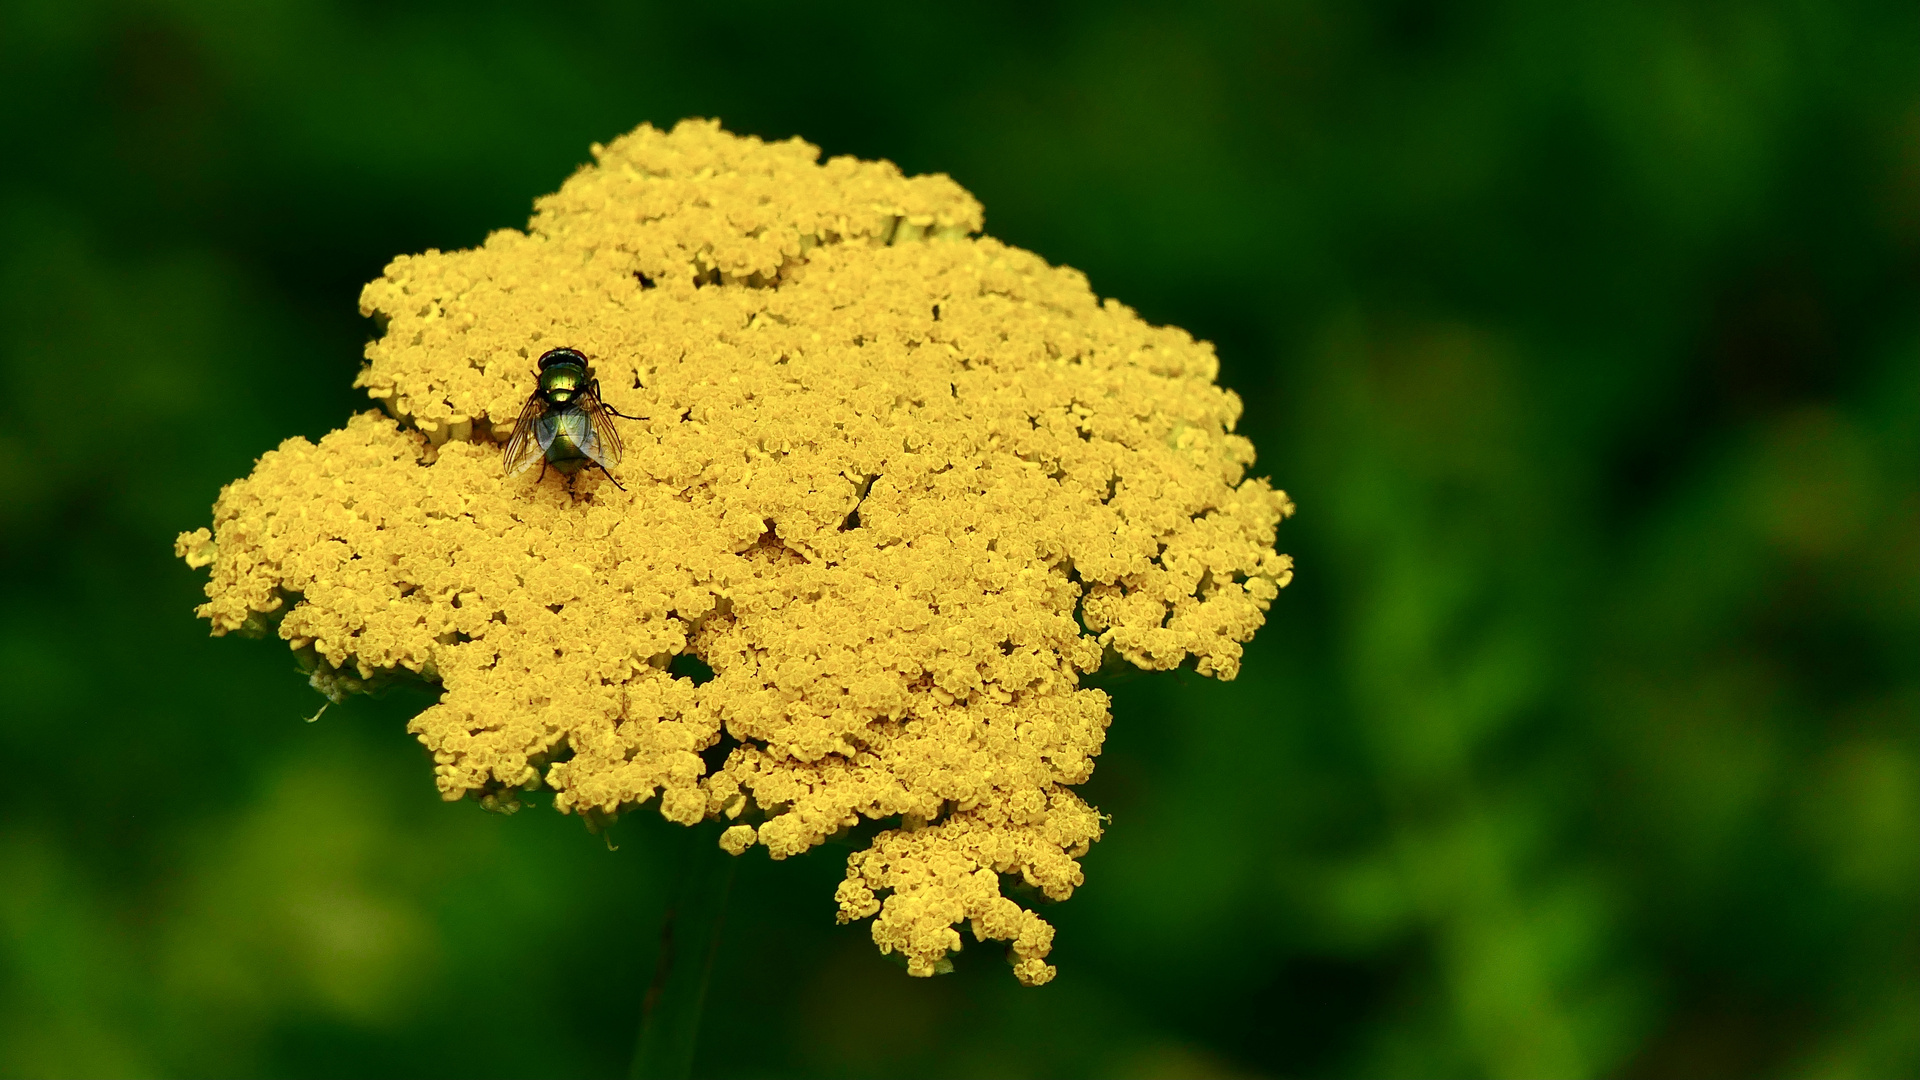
561	356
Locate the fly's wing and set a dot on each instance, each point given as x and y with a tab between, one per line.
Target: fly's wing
549	426
603	441
525	447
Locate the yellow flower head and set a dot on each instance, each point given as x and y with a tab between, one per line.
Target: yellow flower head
896	484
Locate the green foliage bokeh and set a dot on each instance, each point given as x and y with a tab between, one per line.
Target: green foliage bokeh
1584	335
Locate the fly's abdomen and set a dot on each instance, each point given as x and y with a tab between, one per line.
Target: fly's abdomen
566	438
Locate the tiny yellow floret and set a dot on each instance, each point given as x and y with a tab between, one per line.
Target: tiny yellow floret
898	485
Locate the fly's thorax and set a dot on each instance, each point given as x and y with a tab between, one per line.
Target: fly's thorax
561	382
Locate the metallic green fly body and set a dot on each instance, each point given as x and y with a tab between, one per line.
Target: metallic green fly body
565	423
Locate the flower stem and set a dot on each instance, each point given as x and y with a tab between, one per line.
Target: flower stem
689	940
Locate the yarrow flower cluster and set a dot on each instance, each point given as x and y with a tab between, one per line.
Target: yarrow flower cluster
896	484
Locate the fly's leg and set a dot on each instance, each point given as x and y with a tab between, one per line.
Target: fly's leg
543	471
609	476
611	409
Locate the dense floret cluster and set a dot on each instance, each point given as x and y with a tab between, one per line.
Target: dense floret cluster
897	485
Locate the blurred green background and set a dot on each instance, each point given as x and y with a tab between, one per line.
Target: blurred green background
1584	334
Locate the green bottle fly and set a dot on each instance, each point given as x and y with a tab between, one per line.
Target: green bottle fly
565	424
